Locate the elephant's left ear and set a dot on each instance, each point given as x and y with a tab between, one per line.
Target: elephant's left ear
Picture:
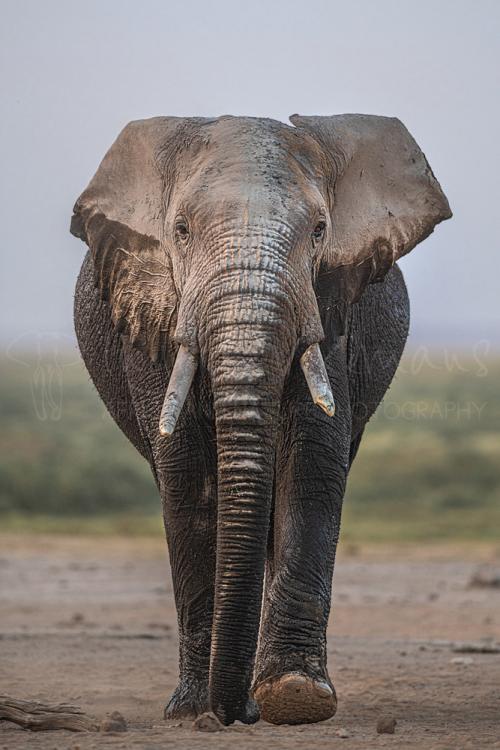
385	197
121	217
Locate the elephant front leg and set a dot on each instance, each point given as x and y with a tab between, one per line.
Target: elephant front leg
291	683
188	492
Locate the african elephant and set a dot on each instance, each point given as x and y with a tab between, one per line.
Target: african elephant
227	294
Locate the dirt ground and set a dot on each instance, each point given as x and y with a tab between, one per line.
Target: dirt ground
91	621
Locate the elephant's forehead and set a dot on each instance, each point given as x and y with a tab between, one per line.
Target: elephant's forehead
258	144
255	161
241	131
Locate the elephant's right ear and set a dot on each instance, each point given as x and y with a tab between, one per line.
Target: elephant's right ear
121	216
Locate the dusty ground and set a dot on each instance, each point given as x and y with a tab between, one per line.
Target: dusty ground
92	622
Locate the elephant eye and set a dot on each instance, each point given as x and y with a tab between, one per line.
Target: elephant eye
182	230
319	231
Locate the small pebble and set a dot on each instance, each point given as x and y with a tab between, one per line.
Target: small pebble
113	723
342	732
207	722
386	725
464	661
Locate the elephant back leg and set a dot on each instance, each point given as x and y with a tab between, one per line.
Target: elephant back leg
378	329
102	352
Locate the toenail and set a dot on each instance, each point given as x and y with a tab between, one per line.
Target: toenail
323	689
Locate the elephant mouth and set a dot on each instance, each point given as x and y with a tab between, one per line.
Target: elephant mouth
186	364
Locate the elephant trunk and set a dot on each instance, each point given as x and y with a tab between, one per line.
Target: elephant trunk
249	327
250	338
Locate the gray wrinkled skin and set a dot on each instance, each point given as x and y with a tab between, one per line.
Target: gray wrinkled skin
246	241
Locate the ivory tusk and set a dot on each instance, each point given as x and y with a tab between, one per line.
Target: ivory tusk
316	376
178	388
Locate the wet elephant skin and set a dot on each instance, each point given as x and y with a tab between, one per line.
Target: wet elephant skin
242	243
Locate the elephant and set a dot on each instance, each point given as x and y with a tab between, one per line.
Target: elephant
241	314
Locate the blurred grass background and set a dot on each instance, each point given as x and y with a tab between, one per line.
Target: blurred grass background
428	468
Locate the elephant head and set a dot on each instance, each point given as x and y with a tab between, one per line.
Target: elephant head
237	241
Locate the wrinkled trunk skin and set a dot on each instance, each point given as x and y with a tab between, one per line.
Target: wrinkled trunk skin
250	340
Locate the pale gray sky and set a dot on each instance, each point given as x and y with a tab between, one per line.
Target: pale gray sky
73	73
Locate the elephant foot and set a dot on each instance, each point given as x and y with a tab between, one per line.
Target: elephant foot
295	698
189	700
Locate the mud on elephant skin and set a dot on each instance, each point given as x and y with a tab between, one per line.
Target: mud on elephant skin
228	292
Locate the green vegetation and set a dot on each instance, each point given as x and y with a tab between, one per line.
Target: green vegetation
428	467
